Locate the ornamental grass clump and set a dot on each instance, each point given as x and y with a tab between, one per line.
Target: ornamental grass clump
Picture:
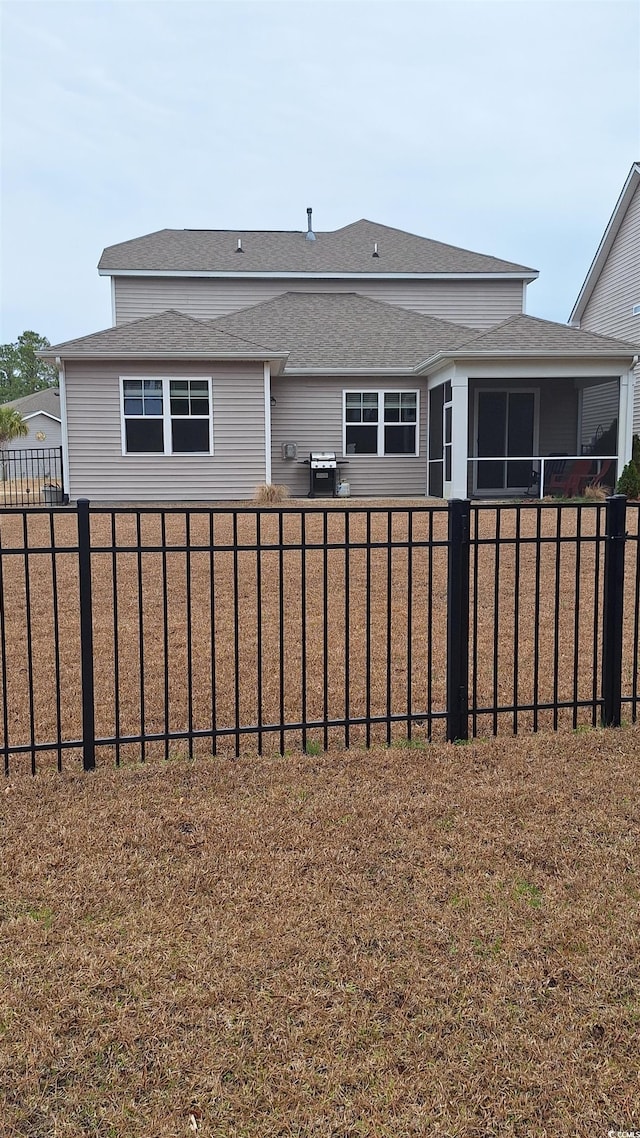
269	494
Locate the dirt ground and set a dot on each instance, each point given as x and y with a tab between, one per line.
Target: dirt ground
424	940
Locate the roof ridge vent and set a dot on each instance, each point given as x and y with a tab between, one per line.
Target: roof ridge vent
309	235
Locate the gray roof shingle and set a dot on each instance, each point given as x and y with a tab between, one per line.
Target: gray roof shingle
335	332
165	333
47	400
530	334
343	330
347	250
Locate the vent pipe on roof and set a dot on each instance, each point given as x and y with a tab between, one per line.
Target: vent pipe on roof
375	249
239	248
309	235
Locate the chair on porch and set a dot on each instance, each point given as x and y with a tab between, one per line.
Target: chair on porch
572	476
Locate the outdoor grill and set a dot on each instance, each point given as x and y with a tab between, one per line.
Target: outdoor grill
323	474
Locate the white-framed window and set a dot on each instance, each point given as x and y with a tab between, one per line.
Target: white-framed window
636	310
381	422
166	415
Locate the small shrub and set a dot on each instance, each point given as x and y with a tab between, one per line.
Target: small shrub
268	494
635	454
629	481
595	493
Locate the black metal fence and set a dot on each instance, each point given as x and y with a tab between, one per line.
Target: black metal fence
31	476
128	634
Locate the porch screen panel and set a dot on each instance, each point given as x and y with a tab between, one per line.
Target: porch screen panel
492	428
436	453
520	428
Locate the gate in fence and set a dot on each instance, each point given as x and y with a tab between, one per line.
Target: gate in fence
126	634
31	476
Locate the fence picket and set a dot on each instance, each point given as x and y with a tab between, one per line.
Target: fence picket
180	645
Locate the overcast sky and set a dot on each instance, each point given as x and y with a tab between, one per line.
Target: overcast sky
506	127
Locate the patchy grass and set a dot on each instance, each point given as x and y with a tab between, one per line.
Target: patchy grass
387	944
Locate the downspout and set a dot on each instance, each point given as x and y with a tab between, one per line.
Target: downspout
65	432
267	423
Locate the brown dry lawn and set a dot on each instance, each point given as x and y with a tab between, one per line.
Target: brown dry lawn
436	940
206	617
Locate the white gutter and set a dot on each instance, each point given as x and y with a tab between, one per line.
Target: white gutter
390	371
514	354
65	428
527	275
141	354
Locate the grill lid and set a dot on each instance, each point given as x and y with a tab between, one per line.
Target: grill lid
323	459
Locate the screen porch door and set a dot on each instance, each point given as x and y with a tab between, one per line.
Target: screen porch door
505	425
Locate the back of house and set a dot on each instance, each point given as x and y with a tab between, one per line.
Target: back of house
233	355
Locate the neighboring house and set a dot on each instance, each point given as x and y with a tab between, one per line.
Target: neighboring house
235	354
30	454
609	300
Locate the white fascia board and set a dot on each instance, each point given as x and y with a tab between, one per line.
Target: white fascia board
87	354
527	275
46	414
560	357
604	248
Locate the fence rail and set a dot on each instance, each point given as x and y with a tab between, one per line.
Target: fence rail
31	476
126	634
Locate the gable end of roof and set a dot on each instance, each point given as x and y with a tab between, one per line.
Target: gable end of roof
606	243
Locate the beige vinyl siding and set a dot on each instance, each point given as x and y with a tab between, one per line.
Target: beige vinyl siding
610	307
98	470
308	412
51	429
479	304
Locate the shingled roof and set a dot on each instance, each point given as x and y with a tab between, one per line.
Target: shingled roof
164	334
522	333
530	336
346	251
334	331
46	401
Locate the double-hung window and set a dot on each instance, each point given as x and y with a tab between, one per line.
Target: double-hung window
381	422
166	416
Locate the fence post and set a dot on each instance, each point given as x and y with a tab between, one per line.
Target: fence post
615	536
86	637
458	621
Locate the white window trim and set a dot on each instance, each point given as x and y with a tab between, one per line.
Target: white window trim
635	311
380	392
166	418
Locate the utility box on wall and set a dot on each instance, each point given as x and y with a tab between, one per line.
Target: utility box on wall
289	450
